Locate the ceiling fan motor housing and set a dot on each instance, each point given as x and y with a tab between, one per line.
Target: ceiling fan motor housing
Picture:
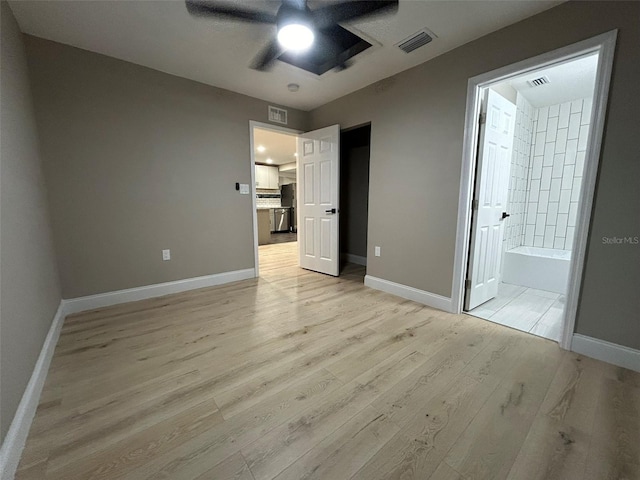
288	15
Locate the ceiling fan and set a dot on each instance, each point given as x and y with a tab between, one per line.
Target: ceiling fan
298	27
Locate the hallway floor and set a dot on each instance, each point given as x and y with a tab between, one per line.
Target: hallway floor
526	309
284	237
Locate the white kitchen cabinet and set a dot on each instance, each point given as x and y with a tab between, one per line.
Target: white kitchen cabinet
274	177
267	177
262	176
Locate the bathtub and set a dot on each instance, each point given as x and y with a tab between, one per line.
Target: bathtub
535	267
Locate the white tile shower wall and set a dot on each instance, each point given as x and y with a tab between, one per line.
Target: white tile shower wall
519	174
555	173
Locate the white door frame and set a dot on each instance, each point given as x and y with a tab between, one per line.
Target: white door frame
275	128
604	45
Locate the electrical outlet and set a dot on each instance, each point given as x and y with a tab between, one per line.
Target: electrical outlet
377	251
166	255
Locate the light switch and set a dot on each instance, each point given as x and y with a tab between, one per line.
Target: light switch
377	251
244	189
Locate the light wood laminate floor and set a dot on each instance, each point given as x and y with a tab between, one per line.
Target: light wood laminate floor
300	375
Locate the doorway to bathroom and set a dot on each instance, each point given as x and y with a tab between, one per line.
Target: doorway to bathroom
532	162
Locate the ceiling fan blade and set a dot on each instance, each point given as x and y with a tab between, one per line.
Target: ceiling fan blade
269	54
204	8
299	4
351	10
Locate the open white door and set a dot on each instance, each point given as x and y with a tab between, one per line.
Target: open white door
490	199
318	187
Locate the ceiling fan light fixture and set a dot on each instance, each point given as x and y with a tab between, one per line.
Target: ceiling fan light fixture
296	37
297	26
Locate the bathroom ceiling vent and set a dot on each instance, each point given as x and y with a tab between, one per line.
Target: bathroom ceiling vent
416	41
537	82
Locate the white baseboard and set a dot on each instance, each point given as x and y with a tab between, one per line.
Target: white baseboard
13	444
357	259
100	300
607	352
410	293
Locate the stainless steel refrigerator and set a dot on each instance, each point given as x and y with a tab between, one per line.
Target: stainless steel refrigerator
288	200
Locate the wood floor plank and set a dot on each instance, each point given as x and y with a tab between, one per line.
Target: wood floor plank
496	361
233	468
558	442
491	442
357	363
236	400
623	375
445	472
275	451
407	398
418	450
614	451
202	453
36	452
343	452
301	375
33	471
138	449
82	432
551	451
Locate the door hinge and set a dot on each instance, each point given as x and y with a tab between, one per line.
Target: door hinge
474	204
482	119
467	284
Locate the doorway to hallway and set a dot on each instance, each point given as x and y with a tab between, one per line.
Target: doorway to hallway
355	149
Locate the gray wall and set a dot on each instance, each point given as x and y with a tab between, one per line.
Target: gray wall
29	288
417	120
138	161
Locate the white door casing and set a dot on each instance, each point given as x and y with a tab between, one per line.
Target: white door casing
490	199
318	199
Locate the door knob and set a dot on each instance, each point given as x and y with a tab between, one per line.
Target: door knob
505	215
330	212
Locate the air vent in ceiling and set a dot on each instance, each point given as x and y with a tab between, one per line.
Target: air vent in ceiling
416	40
536	82
277	115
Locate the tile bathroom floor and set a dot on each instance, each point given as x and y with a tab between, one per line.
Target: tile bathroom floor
527	309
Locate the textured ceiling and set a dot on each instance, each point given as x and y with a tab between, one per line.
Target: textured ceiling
163	36
567	81
279	147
